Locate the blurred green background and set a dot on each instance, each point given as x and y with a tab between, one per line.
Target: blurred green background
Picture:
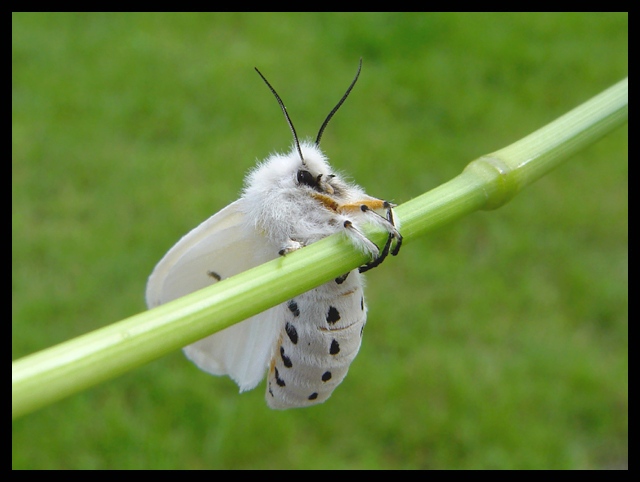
496	342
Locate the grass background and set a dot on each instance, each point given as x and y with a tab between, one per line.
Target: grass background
497	342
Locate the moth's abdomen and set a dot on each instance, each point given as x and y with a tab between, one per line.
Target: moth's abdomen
320	337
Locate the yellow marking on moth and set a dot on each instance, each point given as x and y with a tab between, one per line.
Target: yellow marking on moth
326	201
333	205
370	203
334	330
272	362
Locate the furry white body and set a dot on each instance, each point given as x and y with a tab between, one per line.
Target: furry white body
289	201
307	343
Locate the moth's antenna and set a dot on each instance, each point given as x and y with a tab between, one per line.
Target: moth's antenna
335	109
286	114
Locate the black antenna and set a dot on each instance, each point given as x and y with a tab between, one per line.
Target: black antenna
335	109
286	114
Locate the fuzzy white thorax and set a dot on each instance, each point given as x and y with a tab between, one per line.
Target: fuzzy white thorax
283	209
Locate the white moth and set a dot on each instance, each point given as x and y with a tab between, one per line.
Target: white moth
289	201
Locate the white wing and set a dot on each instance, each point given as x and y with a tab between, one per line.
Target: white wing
225	245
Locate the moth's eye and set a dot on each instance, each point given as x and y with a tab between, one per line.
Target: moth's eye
305	177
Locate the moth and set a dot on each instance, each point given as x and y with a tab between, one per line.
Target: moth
306	344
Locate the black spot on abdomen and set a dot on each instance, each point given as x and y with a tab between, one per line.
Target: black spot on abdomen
334	349
285	359
333	315
292	333
293	307
279	380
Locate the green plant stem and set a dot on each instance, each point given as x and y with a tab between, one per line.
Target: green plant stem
486	183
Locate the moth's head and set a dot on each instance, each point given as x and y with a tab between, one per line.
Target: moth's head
283	172
305	162
315	172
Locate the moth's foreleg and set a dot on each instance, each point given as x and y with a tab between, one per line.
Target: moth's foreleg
375	217
369	207
388	223
392	234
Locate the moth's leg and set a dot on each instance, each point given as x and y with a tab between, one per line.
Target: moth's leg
360	239
368	207
387	246
377	261
290	246
396	248
387	223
